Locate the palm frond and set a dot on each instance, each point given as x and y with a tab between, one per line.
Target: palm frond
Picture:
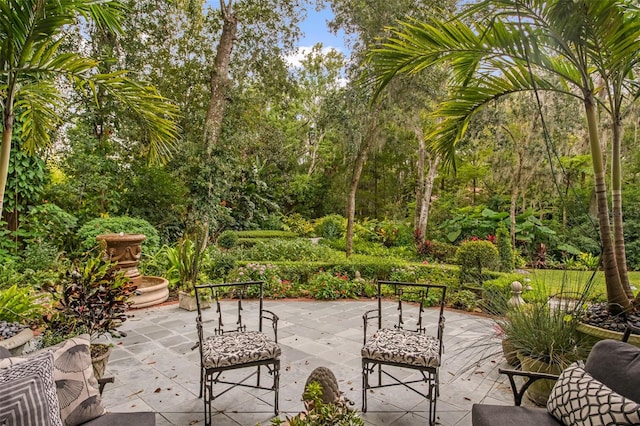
157	115
39	104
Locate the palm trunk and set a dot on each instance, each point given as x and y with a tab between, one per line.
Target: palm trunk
616	296
5	149
220	77
361	158
616	212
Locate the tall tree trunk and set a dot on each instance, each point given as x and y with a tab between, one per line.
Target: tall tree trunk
361	158
425	203
616	296
420	182
616	206
512	214
219	82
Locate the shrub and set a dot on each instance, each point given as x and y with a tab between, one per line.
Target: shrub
270	274
289	249
473	257
262	234
299	225
505	249
394	234
41	256
219	264
331	227
50	222
462	299
113	225
228	239
331	286
442	252
496	293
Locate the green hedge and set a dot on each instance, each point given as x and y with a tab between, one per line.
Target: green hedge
369	268
265	234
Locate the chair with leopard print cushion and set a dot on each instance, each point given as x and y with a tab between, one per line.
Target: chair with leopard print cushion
242	345
392	345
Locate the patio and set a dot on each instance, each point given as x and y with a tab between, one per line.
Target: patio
155	368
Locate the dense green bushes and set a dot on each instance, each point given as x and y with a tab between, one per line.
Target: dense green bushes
112	225
474	257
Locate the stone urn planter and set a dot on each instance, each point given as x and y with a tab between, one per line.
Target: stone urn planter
125	249
595	334
16	343
539	391
188	302
510	352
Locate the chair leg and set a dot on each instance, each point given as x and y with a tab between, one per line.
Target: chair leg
208	392
201	382
258	382
276	386
365	384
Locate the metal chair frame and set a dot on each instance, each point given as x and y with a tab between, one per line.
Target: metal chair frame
212	376
429	374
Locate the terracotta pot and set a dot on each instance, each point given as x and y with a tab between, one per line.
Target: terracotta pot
539	391
99	363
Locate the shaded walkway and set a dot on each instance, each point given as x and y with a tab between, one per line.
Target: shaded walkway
156	370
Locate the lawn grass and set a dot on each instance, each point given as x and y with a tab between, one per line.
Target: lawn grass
553	281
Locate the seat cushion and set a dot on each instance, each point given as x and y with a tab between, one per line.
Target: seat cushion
508	415
238	348
403	347
623	375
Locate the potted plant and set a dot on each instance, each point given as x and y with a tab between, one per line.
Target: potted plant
186	260
545	339
320	413
90	297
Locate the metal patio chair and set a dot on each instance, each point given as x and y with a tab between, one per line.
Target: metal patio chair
235	347
417	349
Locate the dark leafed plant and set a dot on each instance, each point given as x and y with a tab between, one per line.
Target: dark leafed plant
91	297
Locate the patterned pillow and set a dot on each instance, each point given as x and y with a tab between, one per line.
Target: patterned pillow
28	392
579	399
76	384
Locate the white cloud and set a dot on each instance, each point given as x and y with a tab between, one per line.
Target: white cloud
294	59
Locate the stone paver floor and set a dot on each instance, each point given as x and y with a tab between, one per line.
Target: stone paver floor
155	368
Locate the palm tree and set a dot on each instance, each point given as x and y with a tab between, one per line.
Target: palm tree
32	68
569	46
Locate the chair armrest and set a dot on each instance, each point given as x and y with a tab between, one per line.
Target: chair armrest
366	317
529	375
268	315
102	382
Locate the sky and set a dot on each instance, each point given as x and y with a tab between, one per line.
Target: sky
315	30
